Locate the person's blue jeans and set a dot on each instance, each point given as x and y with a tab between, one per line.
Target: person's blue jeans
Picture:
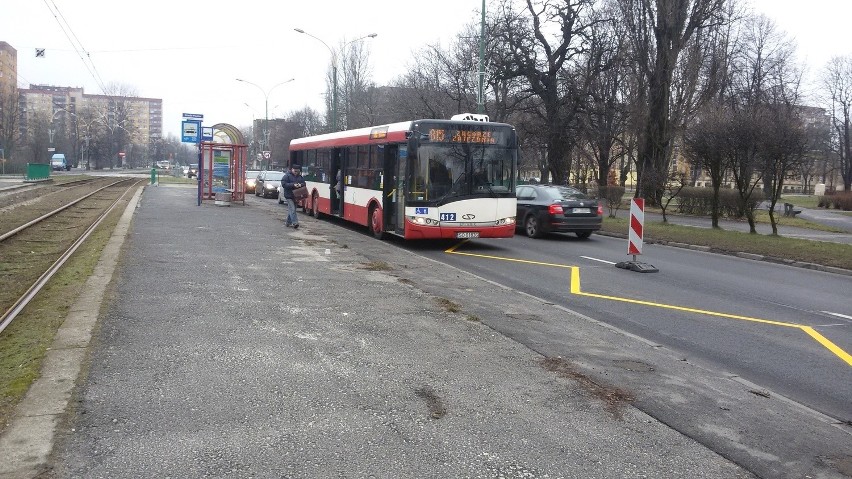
292	219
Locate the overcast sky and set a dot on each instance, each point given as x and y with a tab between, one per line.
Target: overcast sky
189	53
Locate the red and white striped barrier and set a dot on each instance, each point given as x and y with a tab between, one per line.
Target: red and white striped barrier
637	222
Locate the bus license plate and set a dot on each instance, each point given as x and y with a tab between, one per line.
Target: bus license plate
467	234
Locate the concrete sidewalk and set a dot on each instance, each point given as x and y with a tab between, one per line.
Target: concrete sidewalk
235	347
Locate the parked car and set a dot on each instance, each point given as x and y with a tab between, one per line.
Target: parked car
267	183
192	172
549	208
251	180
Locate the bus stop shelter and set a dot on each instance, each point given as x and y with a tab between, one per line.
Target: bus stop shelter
222	166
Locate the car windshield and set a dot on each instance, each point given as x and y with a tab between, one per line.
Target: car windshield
273	175
251	174
564	193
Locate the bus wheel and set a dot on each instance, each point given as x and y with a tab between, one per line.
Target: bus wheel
376	226
315	212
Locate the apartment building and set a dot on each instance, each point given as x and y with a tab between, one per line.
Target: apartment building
141	117
8	68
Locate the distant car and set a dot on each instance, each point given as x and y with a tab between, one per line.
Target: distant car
58	163
544	209
267	183
251	180
192	172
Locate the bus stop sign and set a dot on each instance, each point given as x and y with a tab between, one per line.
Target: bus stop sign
190	131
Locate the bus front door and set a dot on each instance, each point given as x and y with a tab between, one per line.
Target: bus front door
398	159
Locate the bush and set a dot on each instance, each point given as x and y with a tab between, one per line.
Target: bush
841	201
695	201
699	202
611	194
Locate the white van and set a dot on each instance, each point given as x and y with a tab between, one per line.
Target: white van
57	163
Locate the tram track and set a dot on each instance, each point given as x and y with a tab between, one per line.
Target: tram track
24	193
33	252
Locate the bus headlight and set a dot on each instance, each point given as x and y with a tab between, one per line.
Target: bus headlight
422	221
506	221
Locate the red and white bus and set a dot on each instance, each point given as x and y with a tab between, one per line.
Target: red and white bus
415	179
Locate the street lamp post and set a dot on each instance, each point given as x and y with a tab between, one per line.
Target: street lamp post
266	93
334	71
480	101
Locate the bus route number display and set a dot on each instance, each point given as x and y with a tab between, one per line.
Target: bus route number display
462	136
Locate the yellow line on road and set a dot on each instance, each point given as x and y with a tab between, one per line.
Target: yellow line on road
828	344
575	289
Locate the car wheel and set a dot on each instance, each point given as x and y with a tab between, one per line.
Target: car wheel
532	227
583	234
376	226
315	212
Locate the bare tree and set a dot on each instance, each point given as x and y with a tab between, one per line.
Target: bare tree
707	143
356	106
9	130
115	113
672	187
546	44
660	31
783	148
837	81
605	117
38	139
771	139
309	120
423	91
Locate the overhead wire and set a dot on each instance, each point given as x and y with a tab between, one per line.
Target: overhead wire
76	44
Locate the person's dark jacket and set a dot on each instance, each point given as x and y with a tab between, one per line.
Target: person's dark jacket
289	181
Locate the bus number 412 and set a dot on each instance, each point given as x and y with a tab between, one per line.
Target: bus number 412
448	216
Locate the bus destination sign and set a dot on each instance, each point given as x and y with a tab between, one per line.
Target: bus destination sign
444	135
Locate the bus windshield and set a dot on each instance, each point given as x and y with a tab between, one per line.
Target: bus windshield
450	170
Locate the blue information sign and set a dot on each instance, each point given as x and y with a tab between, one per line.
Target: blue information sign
197	116
190	131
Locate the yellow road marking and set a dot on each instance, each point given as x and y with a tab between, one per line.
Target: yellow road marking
575	289
828	344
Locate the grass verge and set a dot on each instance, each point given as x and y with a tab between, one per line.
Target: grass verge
176	180
731	242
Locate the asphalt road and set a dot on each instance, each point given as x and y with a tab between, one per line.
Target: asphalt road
725	381
743	316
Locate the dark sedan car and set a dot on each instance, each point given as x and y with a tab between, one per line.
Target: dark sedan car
548	208
267	183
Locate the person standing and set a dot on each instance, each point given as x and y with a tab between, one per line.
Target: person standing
292	180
